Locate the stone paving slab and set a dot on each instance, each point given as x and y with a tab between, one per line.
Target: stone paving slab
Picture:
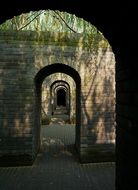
56	167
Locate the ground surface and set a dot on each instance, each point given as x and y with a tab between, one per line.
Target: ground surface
57	168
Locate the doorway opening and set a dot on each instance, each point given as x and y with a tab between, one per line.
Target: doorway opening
61	97
87	55
57	96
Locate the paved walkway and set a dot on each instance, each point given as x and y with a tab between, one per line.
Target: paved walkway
56	167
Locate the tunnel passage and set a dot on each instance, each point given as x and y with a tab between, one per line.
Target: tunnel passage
60	106
54	89
125	113
41	75
61	97
96	70
55	103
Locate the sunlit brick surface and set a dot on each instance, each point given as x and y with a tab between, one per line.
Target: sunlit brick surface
56	167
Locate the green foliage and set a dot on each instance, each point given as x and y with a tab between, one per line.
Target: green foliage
58	22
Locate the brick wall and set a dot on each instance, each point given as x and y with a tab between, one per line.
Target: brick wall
22	56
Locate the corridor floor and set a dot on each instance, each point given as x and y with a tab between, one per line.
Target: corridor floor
57	167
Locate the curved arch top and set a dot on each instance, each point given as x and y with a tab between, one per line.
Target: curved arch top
58	68
59	81
60	87
78	8
117	24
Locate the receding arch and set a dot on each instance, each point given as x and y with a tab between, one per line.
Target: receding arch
61	97
60	86
61	83
117	40
60	101
57	68
83	67
39	78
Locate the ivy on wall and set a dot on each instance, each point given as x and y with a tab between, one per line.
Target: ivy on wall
56	21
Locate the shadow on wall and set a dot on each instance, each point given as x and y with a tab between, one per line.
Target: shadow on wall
28	58
99	113
18	126
16	120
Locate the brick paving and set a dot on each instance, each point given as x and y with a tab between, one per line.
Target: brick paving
57	168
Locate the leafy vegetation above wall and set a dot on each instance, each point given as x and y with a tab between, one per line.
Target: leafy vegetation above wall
56	21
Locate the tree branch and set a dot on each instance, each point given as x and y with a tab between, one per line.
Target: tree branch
31	20
65	22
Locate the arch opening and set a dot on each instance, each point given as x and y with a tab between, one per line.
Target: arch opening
62	92
64	85
61	97
88	62
116	39
61	85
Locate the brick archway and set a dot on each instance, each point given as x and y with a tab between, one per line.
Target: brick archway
66	95
96	70
41	75
113	23
64	84
61	96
